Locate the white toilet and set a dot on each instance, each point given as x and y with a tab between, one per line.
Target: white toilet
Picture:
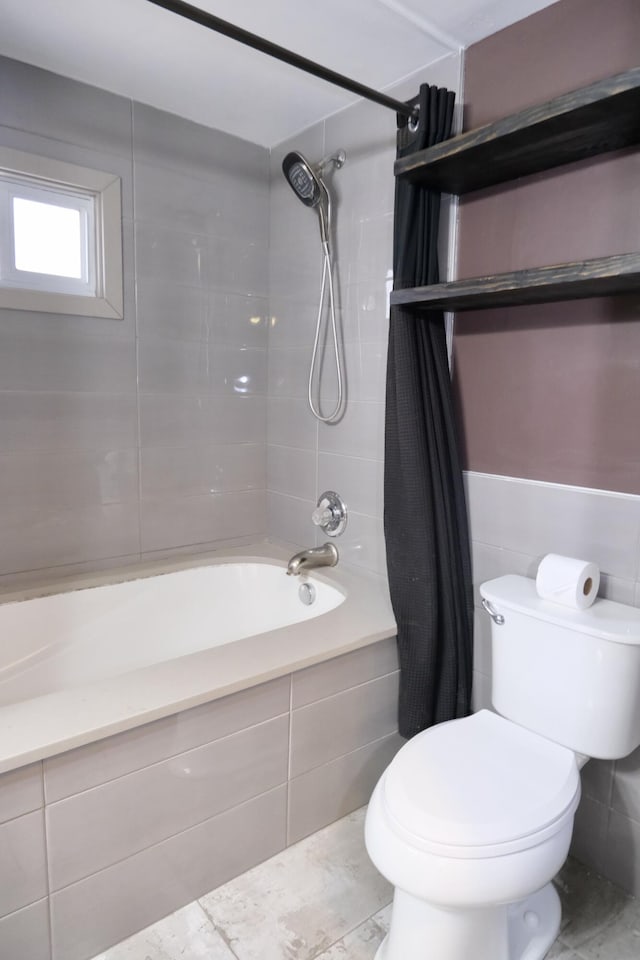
473	818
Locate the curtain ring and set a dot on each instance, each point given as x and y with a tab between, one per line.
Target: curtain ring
414	119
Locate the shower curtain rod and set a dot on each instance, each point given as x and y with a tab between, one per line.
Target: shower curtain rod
205	19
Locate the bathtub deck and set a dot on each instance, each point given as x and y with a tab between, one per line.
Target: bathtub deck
322	900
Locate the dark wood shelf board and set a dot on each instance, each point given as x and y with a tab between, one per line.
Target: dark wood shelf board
602	117
604	276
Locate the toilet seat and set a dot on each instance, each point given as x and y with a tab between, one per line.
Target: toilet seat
480	787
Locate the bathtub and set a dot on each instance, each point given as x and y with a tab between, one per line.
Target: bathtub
105	654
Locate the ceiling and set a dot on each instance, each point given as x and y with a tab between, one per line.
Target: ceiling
138	50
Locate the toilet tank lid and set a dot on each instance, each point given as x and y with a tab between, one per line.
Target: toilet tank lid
611	621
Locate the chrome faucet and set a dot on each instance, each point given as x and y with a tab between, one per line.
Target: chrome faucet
324	556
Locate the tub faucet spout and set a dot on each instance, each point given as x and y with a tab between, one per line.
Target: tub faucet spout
324	556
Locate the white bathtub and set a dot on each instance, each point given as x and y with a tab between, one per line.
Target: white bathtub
102	657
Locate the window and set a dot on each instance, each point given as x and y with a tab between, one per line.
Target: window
60	237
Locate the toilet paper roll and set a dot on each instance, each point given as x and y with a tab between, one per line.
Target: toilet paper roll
573	583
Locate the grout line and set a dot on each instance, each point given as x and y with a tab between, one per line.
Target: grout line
45	835
287	830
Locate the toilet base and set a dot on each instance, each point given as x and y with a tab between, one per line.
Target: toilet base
521	931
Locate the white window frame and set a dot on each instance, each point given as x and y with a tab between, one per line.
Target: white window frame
99	293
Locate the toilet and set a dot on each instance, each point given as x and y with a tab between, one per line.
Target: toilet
473	818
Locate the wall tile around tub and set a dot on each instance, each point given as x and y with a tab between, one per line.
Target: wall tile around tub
67	421
362	543
360	433
329	728
178	257
175	522
202	469
290	423
24	935
216	205
289	519
86	767
94	829
359	482
69	479
23	873
291	472
182	312
341	673
91	915
20	791
177	366
57	107
331	791
175	421
32	539
535	519
85	363
289	372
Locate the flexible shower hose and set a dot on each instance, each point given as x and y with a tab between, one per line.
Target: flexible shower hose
327	282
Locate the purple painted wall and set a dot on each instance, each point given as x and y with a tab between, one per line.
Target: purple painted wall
552	392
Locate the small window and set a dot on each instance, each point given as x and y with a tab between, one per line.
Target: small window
60	237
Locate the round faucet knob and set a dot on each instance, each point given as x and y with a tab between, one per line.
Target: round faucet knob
330	514
322	515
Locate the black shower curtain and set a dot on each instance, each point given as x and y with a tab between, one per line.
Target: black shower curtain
424	514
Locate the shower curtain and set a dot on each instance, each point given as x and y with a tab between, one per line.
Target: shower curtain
425	519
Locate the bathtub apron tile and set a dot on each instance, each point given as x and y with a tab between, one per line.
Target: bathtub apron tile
337	725
124	753
20	791
24	935
23	877
91	830
340	673
325	794
89	916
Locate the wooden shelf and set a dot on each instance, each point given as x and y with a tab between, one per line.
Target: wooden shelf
602	117
601	277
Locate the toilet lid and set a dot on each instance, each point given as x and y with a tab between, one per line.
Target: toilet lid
479	782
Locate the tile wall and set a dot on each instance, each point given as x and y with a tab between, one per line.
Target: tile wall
305	457
120	439
101	841
514	523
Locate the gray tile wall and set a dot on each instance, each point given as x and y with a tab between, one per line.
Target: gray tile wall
305	458
103	840
124	438
514	523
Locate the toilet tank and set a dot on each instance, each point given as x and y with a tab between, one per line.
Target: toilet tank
572	676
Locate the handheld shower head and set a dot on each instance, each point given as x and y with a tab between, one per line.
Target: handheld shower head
303	179
307	184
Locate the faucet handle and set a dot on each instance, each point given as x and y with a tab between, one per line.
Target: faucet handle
322	515
330	514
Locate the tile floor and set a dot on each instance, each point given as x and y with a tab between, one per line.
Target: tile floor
322	900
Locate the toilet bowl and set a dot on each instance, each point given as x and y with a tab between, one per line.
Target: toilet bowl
473	818
470	820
